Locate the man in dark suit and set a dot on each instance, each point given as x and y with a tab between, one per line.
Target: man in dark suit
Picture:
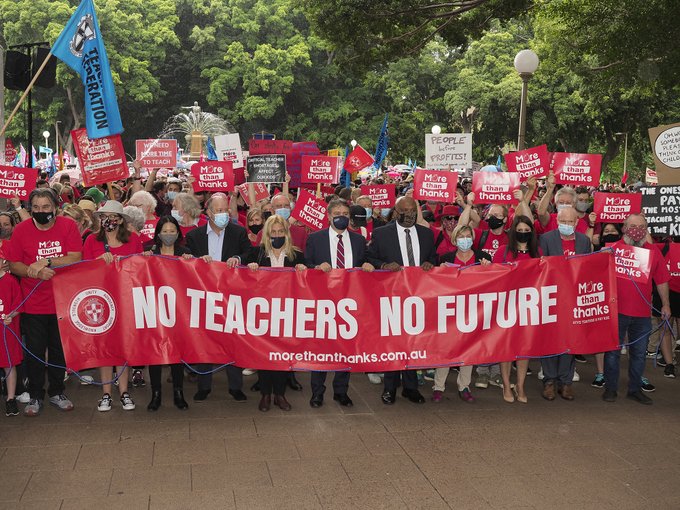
558	371
396	245
228	242
335	248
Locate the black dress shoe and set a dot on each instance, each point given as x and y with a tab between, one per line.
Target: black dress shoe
180	403
255	387
343	399
316	401
201	395
389	397
265	403
293	383
281	401
155	401
414	396
238	395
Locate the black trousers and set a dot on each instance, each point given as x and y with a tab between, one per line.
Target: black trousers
42	335
234	375
340	382
176	371
409	378
273	381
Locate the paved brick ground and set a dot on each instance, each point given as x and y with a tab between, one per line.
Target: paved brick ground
222	454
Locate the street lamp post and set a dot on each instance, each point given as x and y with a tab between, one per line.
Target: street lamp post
436	130
46	135
56	137
526	63
353	143
625	151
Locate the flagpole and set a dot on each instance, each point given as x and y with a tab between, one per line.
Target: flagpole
25	94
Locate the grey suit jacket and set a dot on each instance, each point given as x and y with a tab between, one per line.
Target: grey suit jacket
551	243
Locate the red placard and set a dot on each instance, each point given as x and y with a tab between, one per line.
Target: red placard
326	189
577	169
310	211
213	176
261	192
534	162
101	160
16	180
155	311
437	185
257	147
631	262
157	153
357	160
495	187
10	151
324	169
382	195
616	207
674	261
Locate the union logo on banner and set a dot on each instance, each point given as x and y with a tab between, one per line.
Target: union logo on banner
93	311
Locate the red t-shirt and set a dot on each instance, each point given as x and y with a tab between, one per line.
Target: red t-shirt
149	230
446	244
10	298
94	248
493	241
470	262
631	302
673	263
581	226
501	256
30	244
569	247
202	220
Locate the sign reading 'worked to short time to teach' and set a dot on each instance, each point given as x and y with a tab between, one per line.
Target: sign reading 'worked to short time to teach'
267	168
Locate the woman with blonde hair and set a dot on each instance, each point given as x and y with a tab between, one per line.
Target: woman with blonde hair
254	223
77	214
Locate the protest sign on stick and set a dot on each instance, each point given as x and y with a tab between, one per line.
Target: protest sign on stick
310	210
157	153
101	160
495	187
448	150
576	169
616	207
267	168
437	185
213	176
533	162
382	195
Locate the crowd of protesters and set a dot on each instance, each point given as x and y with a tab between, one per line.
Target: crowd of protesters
62	223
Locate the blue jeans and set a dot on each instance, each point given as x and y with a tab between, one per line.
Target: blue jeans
638	329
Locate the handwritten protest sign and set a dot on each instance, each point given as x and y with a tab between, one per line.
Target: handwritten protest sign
616	207
228	148
102	159
665	142
495	187
533	162
310	211
661	207
452	150
213	176
267	168
382	195
437	185
577	169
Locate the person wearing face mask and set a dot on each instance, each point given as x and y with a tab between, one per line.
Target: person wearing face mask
402	243
564	198
558	371
335	248
276	250
225	241
174	188
37	247
374	218
187	211
147	203
168	243
281	207
442	237
255	223
112	239
490	239
635	324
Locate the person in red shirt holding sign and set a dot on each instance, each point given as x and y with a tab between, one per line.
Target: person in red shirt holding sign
565	197
634	312
38	246
11	354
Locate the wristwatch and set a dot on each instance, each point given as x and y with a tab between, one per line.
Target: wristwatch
49	262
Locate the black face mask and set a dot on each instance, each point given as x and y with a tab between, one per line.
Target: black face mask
523	237
278	242
494	222
43	217
255	229
609	238
266	215
407	220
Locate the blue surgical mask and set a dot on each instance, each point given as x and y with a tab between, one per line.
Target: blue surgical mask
464	243
284	212
566	230
385	212
175	214
341	222
369	212
221	220
561	207
172	195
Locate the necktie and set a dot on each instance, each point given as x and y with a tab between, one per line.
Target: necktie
409	248
340	257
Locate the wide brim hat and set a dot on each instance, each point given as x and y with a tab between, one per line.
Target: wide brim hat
112	207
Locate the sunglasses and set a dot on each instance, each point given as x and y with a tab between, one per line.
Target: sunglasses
449	218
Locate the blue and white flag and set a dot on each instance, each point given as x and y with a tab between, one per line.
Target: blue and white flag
80	46
212	155
381	147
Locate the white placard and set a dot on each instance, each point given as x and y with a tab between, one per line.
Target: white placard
448	150
228	148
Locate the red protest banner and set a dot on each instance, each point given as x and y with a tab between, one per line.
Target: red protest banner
631	262
495	187
382	195
580	169
616	207
438	185
310	211
534	162
213	176
323	169
357	160
257	147
102	159
18	181
157	153
155	311
261	192
10	151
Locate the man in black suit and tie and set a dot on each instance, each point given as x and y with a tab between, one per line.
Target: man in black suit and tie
228	242
335	248
396	245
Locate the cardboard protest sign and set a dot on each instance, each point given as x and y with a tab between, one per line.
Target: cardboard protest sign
213	176
101	160
310	211
437	185
451	150
665	142
228	148
382	195
267	168
661	207
495	187
17	181
261	192
577	169
533	162
616	207
651	176
324	169
357	160
631	262
157	153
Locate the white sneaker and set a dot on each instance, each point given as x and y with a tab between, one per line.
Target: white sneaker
577	377
126	400
540	375
496	380
24	398
248	371
374	378
86	379
105	403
